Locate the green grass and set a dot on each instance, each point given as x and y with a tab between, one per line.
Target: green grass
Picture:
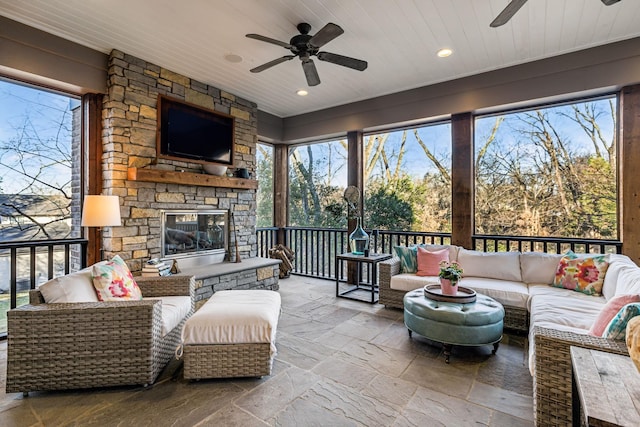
5	303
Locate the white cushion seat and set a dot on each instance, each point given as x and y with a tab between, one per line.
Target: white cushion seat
506	292
408	281
235	317
561	309
174	310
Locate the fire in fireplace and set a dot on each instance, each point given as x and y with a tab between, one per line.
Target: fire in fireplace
194	237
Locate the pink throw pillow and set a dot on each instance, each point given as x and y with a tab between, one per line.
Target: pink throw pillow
429	262
610	309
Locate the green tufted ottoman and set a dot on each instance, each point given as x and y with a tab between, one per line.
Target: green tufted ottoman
473	324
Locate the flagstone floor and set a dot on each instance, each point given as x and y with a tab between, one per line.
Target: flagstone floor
340	363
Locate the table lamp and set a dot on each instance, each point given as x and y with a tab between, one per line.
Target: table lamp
100	211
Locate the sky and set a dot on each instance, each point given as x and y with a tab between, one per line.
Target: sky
28	114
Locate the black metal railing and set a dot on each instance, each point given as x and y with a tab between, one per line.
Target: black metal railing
24	264
316	248
555	245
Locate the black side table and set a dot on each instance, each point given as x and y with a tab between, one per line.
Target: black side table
350	292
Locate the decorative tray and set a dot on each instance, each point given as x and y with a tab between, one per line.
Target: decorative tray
465	295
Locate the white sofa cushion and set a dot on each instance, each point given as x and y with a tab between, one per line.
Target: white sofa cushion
408	282
492	265
561	309
622	278
539	267
233	317
617	264
174	309
73	287
506	292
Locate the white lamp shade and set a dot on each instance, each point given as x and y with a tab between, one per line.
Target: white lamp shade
100	211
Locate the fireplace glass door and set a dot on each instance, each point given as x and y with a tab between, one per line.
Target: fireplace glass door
193	232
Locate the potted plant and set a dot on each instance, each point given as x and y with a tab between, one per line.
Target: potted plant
450	274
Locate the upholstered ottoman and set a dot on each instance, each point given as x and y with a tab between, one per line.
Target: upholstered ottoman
232	335
472	324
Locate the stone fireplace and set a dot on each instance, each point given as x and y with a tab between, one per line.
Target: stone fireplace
148	185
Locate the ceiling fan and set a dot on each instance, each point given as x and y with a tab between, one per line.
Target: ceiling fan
305	46
515	5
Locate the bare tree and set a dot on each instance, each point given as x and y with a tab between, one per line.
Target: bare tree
37	159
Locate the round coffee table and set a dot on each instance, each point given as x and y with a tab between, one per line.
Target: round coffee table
472	324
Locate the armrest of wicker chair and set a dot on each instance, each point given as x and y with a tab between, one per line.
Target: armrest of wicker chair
82	345
552	393
387	296
163	286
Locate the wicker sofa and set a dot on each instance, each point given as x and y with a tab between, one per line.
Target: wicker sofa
556	319
60	346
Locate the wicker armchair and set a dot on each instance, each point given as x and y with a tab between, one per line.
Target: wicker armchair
83	345
552	393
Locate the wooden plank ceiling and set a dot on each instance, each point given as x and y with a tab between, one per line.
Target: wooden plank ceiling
398	38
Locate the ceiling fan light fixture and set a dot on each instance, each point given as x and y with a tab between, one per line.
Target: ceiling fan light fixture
302	92
444	52
304	46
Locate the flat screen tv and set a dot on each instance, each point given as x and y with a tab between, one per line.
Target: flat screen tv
190	132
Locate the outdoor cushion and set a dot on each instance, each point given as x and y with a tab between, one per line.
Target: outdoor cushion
235	317
429	261
581	273
408	258
539	267
114	282
408	282
492	265
628	281
174	310
608	312
453	249
617	328
613	285
506	292
73	287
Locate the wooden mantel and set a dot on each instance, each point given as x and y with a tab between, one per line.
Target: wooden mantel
190	178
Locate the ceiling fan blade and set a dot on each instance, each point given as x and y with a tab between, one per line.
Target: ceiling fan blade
269	40
272	63
345	61
325	35
610	2
507	13
310	72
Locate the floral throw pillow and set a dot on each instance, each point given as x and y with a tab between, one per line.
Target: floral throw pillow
408	258
581	274
114	282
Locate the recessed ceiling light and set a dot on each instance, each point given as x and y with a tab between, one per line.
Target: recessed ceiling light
232	57
443	53
302	92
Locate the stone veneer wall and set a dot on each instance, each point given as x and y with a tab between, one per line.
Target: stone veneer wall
129	118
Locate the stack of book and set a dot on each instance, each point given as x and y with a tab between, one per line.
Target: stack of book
155	267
